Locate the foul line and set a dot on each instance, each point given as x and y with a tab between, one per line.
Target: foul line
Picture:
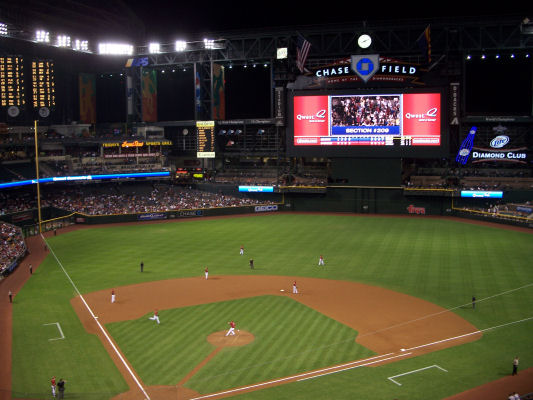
98	323
443	311
305	374
361	363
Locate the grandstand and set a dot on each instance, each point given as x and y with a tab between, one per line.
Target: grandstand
380	118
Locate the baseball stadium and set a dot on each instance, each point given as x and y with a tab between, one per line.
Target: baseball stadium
336	207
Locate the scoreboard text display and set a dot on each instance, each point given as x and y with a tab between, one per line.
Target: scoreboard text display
11	81
393	122
205	139
42	72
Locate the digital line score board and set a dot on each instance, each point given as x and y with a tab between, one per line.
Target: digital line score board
385	123
205	139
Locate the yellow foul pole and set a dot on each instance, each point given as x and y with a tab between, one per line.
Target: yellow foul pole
37	176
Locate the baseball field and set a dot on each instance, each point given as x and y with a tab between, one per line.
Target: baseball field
388	316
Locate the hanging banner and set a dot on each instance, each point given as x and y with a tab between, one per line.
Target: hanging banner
149	96
87	93
219	97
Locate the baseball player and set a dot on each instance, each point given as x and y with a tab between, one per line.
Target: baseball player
113	296
155	316
321	260
294	288
231	330
53	383
241	252
206	272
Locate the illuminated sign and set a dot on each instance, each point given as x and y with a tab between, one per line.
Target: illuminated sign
205	139
85	178
132	144
11	81
499	141
482	194
137	143
43	83
367	67
261	189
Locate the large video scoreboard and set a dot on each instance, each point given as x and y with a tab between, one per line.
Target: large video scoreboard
388	123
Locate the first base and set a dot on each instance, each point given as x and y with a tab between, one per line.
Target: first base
282	290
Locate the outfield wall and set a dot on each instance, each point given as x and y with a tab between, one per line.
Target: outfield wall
370	200
335	199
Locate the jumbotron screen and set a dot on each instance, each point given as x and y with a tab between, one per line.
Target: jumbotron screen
386	123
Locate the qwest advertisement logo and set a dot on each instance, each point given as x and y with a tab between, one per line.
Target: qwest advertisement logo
422	117
310	119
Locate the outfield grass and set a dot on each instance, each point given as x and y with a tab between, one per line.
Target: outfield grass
442	261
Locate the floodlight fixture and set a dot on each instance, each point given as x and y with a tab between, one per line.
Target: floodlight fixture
81	45
209	44
282	53
42	36
154	48
180	45
3	29
63	41
115	49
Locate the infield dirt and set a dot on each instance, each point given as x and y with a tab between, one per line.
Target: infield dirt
387	321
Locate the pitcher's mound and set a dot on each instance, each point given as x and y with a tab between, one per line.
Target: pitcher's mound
241	338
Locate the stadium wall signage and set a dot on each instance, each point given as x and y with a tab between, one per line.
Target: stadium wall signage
416	210
266	208
497	152
137	143
152	216
366	68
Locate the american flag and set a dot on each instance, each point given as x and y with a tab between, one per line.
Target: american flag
302	51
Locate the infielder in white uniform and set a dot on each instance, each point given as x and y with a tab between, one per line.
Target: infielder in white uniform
113	298
206	272
155	317
294	288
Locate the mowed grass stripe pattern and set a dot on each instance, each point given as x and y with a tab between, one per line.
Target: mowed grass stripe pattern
442	261
289	338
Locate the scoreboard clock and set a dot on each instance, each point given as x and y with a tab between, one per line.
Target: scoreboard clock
13	111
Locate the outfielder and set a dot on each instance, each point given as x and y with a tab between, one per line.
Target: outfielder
241	252
321	260
231	330
155	317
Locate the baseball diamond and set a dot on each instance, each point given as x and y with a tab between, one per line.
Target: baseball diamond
348	320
